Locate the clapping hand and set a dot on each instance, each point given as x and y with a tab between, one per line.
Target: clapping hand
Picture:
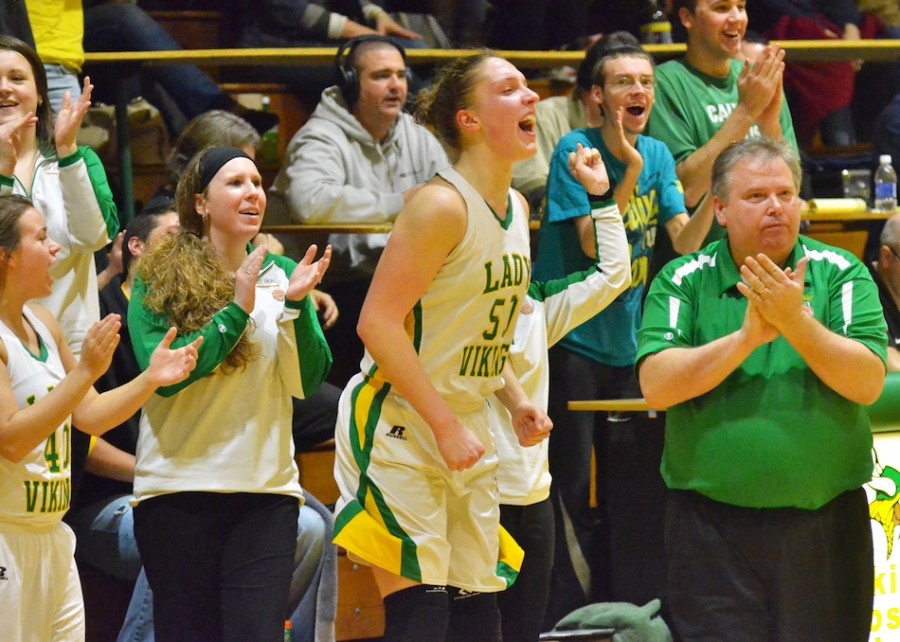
168	366
68	120
245	279
9	142
776	293
308	273
99	345
759	84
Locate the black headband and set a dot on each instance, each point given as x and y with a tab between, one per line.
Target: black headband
213	160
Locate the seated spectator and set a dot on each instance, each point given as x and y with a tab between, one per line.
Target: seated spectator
303	23
64	30
39	158
820	93
887	131
546	24
557	116
209	129
358	160
886	274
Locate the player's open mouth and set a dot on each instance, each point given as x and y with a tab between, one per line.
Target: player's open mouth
636	110
528	124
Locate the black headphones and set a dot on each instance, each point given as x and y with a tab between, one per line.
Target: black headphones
346	77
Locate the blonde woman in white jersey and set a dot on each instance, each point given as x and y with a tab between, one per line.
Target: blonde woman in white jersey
415	457
43	389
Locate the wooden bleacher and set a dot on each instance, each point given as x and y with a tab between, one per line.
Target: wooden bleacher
212	60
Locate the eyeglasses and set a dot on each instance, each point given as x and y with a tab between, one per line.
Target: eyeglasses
627	83
893	251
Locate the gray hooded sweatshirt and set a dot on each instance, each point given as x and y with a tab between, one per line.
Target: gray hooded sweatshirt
334	172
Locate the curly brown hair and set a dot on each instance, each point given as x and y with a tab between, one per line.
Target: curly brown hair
190	303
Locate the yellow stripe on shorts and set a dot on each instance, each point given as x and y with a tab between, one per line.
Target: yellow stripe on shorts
360	533
510	557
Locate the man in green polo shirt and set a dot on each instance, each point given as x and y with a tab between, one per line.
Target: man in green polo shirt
765	347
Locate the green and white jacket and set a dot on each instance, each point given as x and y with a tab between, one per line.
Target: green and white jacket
75	199
230	432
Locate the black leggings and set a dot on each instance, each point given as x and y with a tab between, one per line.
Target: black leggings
522	606
219	564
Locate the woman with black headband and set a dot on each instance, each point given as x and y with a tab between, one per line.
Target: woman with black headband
216	486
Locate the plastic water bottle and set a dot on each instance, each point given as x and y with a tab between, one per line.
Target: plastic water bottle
885	186
268	149
656	28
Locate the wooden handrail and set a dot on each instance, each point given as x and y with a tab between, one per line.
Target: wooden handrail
609	405
299	228
795	50
384	228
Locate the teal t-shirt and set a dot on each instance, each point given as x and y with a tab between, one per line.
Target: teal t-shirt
772	434
610	337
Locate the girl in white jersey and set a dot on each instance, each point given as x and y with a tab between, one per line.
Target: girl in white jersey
216	486
43	390
40	159
415	456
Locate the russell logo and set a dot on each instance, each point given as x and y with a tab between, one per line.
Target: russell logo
396	432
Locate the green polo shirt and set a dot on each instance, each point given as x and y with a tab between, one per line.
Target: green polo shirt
772	434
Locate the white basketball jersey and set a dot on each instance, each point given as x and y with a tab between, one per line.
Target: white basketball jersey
463	325
37	490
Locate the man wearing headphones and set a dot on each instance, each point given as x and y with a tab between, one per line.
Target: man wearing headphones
357	160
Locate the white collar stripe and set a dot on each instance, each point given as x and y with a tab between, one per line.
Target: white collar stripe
847	304
702	260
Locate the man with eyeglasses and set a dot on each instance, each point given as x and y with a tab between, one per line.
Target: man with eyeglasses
886	273
709	98
558	115
596	360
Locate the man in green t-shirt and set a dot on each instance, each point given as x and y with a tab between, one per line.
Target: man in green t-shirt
710	98
765	347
